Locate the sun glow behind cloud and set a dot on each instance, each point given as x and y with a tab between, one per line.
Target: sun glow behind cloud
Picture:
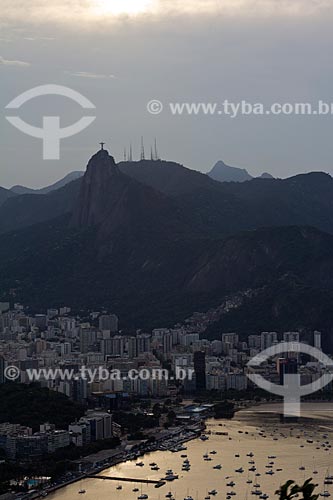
122	7
87	11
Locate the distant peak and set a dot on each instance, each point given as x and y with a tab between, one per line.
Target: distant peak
101	153
225	173
266	175
102	159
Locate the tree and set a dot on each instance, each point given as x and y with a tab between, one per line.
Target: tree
291	490
157	411
171	417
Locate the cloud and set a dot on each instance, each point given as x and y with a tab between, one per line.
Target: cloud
7	62
87	74
88	11
256	7
38	38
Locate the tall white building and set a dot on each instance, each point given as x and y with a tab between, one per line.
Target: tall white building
317	339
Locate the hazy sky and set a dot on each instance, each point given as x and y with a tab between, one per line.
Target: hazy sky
120	54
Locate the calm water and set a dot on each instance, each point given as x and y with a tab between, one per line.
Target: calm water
292	453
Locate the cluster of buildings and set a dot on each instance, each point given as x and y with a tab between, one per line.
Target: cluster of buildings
21	443
58	339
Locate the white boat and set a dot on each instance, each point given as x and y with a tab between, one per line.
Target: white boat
170	476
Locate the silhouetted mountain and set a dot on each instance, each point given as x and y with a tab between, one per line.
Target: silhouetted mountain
224	173
121	207
168	177
229	207
53	187
5	194
29	209
155	253
207	206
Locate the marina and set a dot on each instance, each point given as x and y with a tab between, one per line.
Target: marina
250	457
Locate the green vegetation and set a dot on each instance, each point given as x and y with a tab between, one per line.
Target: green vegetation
32	405
225	409
134	423
291	490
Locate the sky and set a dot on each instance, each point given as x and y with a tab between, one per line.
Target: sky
122	54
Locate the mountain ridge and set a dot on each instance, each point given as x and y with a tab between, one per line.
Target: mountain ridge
154	249
72	176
